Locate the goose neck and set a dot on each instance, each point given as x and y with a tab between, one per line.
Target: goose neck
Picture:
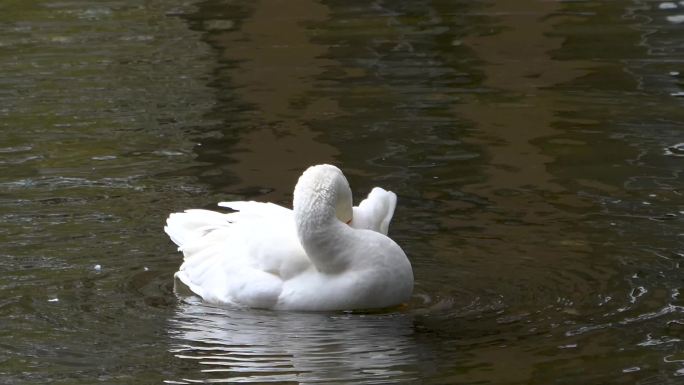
320	232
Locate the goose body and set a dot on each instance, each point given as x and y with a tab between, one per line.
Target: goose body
323	254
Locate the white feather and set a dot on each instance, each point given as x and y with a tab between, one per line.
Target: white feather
267	256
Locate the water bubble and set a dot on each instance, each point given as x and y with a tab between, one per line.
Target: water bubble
167	153
675	150
676	19
636	293
104	157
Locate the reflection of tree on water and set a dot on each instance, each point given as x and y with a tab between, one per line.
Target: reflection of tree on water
241	345
268	68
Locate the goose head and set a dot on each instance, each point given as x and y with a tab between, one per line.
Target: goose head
323	192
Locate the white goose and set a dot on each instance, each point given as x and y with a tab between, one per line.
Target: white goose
323	255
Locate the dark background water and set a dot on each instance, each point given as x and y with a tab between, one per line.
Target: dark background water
535	147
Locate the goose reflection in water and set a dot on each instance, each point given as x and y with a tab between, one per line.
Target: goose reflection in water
247	345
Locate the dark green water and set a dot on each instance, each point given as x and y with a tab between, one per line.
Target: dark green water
535	147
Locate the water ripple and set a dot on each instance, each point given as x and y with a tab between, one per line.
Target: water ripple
240	345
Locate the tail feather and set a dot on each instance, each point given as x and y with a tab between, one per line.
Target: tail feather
376	211
192	224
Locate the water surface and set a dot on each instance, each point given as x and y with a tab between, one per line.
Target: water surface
536	149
